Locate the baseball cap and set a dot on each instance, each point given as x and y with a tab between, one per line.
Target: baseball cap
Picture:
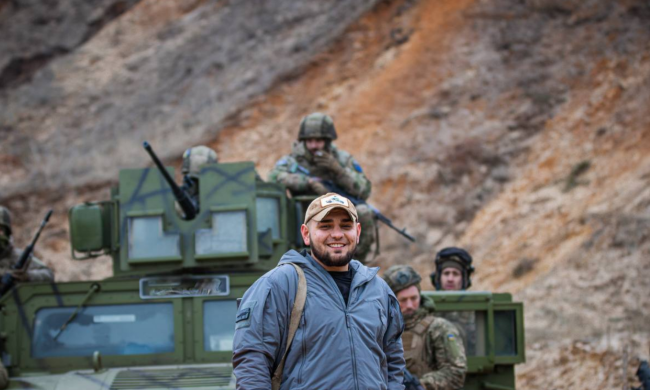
321	206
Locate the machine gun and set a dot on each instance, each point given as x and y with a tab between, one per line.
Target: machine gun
186	203
643	373
411	382
8	280
356	201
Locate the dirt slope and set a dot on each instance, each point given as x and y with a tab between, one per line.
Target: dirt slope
515	129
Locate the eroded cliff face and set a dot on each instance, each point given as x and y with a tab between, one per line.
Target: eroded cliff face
514	128
167	71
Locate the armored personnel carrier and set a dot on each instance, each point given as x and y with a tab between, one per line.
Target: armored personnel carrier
165	319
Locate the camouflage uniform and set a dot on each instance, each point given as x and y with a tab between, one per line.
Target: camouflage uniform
294	172
432	346
291	170
433	351
465	321
194	159
37	271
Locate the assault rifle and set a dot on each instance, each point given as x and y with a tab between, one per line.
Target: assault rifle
8	280
188	205
411	382
331	187
643	373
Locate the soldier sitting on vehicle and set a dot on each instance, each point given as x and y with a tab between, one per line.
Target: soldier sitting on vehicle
194	159
9	255
431	344
316	166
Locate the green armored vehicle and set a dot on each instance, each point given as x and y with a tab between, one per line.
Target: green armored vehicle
492	326
165	319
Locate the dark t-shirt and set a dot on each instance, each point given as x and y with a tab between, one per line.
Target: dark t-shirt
344	281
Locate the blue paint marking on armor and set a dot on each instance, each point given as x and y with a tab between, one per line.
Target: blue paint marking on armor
281	162
356	166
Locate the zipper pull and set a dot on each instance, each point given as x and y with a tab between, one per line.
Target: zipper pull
347	319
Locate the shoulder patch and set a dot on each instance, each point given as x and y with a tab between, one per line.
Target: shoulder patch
356	166
243	318
245	314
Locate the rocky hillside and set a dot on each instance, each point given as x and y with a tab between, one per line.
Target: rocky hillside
514	128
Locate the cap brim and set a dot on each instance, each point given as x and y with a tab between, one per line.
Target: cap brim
323	213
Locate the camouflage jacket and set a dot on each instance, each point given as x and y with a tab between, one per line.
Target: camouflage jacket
37	271
291	170
434	352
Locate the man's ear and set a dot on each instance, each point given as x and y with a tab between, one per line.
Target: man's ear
304	231
358	232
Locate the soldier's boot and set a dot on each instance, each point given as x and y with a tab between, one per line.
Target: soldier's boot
368	223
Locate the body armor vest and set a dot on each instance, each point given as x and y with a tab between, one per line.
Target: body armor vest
415	349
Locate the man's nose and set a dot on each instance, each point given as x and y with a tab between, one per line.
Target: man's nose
337	232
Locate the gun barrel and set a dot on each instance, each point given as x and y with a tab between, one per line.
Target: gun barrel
181	197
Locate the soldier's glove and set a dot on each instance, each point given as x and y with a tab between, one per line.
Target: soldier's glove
326	161
317	186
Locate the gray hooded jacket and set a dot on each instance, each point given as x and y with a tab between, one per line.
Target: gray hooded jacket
353	347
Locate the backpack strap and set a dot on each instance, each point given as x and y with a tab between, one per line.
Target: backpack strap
296	314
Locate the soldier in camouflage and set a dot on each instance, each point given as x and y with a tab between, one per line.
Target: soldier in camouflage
9	255
454	273
194	159
315	161
432	346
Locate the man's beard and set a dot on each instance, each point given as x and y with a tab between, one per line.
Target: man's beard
325	258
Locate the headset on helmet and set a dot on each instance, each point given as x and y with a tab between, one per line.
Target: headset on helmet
465	262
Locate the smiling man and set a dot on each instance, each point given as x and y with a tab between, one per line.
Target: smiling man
349	334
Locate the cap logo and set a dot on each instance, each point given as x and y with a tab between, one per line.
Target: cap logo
333	199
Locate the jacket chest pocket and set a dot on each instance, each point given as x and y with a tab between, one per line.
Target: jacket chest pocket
372	318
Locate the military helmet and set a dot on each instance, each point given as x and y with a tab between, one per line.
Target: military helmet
195	158
455	257
400	277
5	219
317	125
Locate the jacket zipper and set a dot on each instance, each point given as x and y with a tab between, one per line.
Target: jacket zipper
354	358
